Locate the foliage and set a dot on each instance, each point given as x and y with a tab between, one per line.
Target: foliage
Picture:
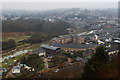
38	38
21	25
65	59
78	54
101	55
34	25
34	61
94	65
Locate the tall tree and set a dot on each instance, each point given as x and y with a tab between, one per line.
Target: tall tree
92	67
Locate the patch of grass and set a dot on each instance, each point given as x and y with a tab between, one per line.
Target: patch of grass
23	45
37	46
17	38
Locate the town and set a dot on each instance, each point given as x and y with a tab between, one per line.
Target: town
60	50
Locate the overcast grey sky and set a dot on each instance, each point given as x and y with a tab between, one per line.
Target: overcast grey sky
60	0
55	5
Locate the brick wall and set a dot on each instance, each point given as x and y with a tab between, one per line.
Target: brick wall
77	49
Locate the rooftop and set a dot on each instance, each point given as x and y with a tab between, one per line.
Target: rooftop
38	51
16	67
75	46
49	47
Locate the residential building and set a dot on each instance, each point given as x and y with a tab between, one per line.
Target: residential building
16	69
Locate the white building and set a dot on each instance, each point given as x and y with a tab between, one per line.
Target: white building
16	69
40	52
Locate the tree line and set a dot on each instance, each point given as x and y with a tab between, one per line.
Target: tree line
34	25
40	37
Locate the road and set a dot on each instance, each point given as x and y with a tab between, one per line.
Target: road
46	62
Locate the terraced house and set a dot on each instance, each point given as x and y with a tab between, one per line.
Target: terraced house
71	39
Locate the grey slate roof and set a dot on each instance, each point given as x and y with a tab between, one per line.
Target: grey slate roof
49	47
75	46
38	51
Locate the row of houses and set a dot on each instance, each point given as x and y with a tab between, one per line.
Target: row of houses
73	39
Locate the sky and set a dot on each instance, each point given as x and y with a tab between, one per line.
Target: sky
60	0
55	4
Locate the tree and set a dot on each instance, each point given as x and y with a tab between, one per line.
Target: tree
35	25
101	55
40	37
34	61
93	66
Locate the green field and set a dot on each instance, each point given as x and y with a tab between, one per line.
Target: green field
16	38
37	46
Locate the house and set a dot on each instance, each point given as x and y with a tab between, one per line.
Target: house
40	52
16	69
79	39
